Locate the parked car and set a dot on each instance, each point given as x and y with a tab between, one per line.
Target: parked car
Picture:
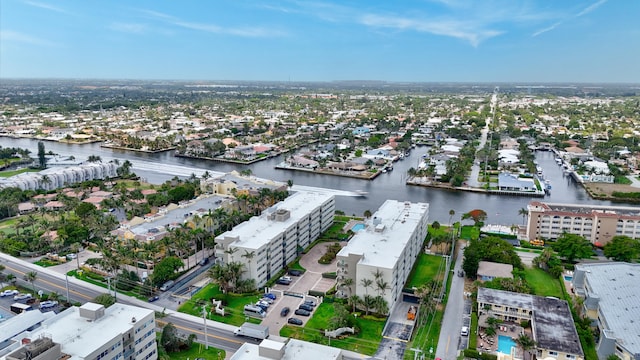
71	256
267	300
306	307
294	321
286	278
464	331
154	298
48	304
282	281
285	311
302	312
22	297
12	292
310	303
203	262
262	306
295	272
270	296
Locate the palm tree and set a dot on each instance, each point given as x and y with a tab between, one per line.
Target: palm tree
75	248
525	343
2	276
524	212
367	214
249	255
347	282
31	277
451	213
382	286
353	301
380	305
366	283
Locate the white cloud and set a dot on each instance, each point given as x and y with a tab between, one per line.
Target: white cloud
591	7
470	32
216	29
46	6
548	28
583	12
18	37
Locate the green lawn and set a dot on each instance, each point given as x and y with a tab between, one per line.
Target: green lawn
469	232
198	350
425	269
425	336
365	342
234	313
542	283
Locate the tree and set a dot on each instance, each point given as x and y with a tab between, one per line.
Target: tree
572	246
31	277
524	212
249	255
367	214
165	269
104	299
2	276
622	248
42	157
451	213
525	343
94	158
366	283
477	215
353	301
170	340
340	317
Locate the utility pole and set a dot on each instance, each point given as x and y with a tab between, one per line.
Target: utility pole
66	279
415	353
204	319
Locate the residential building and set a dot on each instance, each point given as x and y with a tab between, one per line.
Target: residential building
596	223
267	243
552	324
512	182
611	291
385	250
488	271
89	332
53	178
291	350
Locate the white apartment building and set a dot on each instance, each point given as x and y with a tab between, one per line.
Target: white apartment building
611	294
597	224
385	250
89	332
267	243
292	349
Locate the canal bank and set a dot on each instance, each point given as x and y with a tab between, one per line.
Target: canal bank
158	167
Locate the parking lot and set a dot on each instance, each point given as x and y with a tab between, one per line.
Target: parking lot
298	289
7	301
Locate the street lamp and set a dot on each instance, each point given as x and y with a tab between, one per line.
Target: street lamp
204	319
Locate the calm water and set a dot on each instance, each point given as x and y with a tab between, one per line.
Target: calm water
500	209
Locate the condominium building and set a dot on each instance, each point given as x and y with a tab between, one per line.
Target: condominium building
552	325
611	293
89	332
292	349
384	251
267	243
597	224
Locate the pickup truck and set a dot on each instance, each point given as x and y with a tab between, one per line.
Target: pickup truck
250	330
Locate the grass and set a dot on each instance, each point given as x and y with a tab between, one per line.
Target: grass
425	269
198	350
366	341
234	308
469	232
426	337
9	173
621	179
542	283
46	262
82	275
296	265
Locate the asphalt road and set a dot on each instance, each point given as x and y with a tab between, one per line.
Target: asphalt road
453	315
218	335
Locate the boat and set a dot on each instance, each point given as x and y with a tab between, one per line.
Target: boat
361	193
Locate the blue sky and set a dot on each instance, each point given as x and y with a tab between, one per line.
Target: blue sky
411	40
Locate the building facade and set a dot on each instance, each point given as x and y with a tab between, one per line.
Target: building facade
597	224
90	332
611	294
384	251
267	243
552	324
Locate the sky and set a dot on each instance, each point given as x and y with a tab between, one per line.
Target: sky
577	41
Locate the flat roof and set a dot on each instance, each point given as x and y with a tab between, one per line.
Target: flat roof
293	350
588	209
259	230
397	220
20	323
552	322
79	337
488	268
177	216
617	284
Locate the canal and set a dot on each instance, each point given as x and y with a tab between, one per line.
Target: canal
500	209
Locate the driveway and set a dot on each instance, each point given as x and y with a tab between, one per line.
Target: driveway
299	287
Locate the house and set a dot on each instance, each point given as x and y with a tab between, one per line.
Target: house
511	182
551	321
488	271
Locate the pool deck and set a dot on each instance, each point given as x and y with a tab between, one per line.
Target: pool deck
489	344
351	223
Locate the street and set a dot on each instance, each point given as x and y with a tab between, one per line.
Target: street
452	321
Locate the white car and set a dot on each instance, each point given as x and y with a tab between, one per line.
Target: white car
464	331
22	297
71	256
9	293
48	304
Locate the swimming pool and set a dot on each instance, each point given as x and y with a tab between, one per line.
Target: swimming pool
357	227
505	343
568	277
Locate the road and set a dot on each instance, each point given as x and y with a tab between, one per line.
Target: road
452	321
218	335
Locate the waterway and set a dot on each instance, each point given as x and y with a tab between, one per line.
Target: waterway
158	167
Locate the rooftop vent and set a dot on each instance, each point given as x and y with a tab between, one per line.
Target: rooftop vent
133	319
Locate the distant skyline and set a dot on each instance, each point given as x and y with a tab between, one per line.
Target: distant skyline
586	41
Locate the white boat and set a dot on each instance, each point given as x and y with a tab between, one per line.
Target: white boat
361	193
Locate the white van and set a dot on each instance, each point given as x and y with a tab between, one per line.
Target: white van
167	285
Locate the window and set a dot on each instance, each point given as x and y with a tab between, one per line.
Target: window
553	353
